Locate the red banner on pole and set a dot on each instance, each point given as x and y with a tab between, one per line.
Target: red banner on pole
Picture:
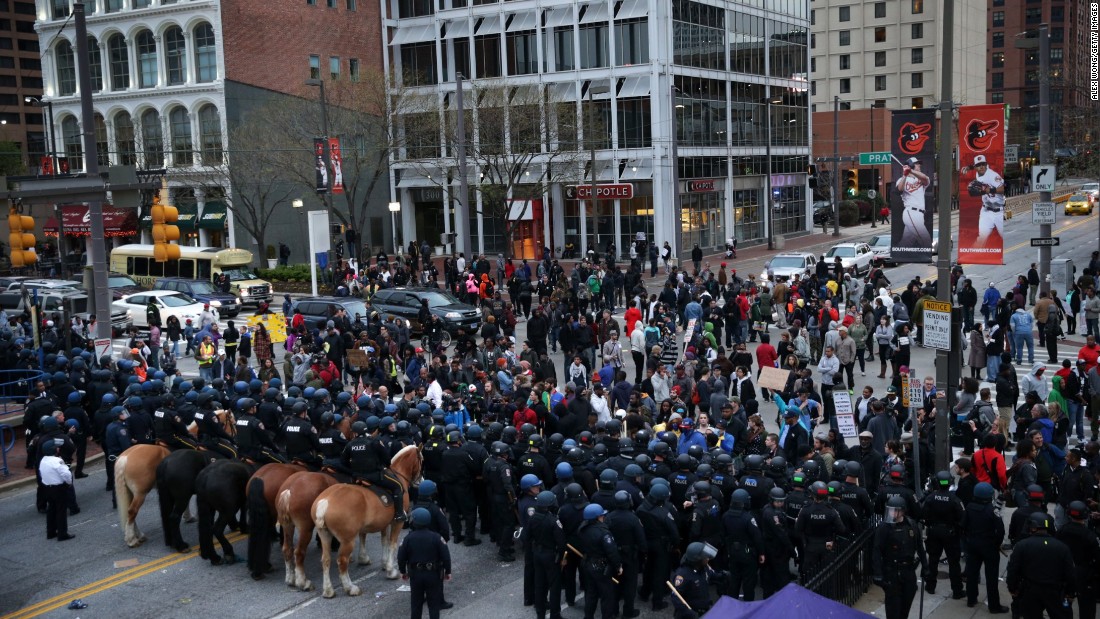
336	160
981	185
320	164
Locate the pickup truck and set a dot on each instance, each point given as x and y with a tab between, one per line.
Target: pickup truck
63	304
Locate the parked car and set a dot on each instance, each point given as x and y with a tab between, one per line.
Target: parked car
203	291
852	255
405	303
880	247
1092	190
170	303
1078	204
49	284
63	304
787	265
122	285
317	309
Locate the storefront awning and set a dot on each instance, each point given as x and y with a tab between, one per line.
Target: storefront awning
77	221
213	216
188	217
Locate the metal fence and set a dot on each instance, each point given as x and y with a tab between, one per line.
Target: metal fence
848	576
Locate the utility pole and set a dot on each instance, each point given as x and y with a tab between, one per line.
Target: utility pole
1046	150
101	295
463	238
948	362
836	158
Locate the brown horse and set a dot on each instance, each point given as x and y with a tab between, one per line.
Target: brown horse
261	491
347	511
135	477
293	505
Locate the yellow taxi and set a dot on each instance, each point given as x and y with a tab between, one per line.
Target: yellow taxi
1078	204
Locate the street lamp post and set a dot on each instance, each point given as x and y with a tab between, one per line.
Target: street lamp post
52	138
395	208
768	165
326	156
874	106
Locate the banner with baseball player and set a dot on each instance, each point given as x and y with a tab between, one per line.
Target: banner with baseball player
911	203
981	186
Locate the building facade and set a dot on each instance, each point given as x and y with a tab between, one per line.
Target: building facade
669	96
21	83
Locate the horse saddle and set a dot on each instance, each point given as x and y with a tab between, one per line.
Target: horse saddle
308	465
382	494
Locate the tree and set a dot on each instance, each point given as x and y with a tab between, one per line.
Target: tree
519	142
251	174
11	159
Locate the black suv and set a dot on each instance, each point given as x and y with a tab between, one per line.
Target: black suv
405	303
315	309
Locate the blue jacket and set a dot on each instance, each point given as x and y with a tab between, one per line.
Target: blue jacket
689	438
1021	323
991	297
460	418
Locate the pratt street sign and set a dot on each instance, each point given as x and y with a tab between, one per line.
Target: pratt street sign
617	191
1045	242
874	158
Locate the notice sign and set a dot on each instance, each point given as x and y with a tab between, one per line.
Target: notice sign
916	393
937	325
845	414
1042	213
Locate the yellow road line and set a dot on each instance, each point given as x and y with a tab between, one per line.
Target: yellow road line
110	582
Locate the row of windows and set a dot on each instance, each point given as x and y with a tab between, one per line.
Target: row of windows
916	56
916	80
60	9
334	68
143	143
350	5
423	8
844	37
844	13
174	51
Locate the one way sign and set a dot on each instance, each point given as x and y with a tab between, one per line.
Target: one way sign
1043	178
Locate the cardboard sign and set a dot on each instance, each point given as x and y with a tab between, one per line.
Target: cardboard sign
845	414
358	357
773	378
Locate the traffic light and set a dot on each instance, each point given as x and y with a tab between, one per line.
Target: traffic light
851	181
811	174
21	239
165	231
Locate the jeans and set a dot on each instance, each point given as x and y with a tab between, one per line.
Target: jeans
1090	327
206	372
555	332
1019	339
992	367
968	318
176	348
1076	418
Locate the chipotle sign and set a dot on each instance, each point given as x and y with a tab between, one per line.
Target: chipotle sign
617	191
701	186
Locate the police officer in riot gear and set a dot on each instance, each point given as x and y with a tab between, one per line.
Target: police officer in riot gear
819	526
544	539
662	539
602	561
692	581
897	550
626	528
500	478
300	437
778	548
983	532
1085	546
1041	574
943	515
744	545
366	457
252	437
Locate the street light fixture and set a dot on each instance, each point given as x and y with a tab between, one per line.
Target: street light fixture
395	208
37	102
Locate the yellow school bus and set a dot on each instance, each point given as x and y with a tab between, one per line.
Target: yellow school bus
199	263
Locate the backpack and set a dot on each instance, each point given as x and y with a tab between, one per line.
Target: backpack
489	288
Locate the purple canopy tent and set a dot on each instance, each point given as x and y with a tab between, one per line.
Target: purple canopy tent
792	602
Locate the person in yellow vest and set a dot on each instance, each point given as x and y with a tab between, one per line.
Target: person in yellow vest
206	354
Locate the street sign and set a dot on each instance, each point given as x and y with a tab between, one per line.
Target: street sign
1042	213
1045	242
871	193
874	158
1012	154
1043	178
916	392
937	325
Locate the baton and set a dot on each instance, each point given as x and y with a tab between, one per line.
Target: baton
581	555
678	596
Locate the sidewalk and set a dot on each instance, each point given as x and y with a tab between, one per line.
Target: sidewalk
19	476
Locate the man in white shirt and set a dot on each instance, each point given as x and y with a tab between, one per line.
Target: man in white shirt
828	366
911	187
56	476
599	403
435	392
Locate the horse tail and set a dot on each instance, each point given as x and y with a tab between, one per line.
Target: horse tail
206	526
166	500
259	517
283	520
319	509
123	495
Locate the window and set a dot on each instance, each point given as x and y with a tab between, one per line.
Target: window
998	40
1057	13
314	67
210	135
1033	15
124	139
845	37
26	45
206	57
880	10
30	64
118	56
24	8
1056	55
353	69
997	80
415	8
880	34
918	103
147	60
7	62
845	62
142	4
102	146
917	55
635	123
1057	34
74	149
332	4
112	6
152	139
593	48
880	82
352	5
845	85
66	68
522	53
880	59
182	147
813	18
175	50
334	67
95	64
918	7
845	13
486	55
998	19
631	42
311	2
998	60
917	80
998	2
60	8
418	62
6	43
918	31
996	97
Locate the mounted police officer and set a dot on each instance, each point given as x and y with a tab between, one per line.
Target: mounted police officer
212	433
169	427
252	438
332	442
366	457
943	516
300	436
897	550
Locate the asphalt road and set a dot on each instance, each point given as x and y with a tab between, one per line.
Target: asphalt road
41	577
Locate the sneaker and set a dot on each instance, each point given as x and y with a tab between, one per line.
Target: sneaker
862	373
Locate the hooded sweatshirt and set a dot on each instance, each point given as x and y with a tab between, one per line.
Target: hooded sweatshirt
1035	382
1056	393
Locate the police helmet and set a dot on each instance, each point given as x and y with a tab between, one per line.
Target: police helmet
812	469
622	500
593	511
943	479
500	448
698	552
74	397
632	471
659	492
391	409
701	488
642	437
683	462
599	452
546	500
853	469
575	456
270	394
385	422
327	419
662	449
819	489
741	498
186	386
134	402
608	478
373	423
704	471
295	391
450	427
420	518
897	472
426	489
454	437
240	387
556	440
147	386
535	441
343	397
574	492
778	465
585	438
275	383
696	452
218	383
528	429
896	502
79	364
255	385
362	401
474	433
308	392
424	408
776	494
359	428
245	404
300	407
754	463
563	471
403	427
47	423
1078	510
643	460
1039	521
983	492
320	394
109	398
834	488
1035	493
529	481
626	446
508	434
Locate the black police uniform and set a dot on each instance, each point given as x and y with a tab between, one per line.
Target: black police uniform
500	478
571	516
458	473
116	440
544	539
626	528
439	522
1084	545
663	538
79	436
983	532
425	559
332	444
818	525
432	467
912	507
859	500
1041	576
693	584
897	550
478	452
778	550
254	441
744	546
534	463
943	515
758	486
366	457
170	430
601	563
301	441
213	435
797	498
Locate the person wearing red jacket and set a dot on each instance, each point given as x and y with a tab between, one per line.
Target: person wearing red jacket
988	465
633	315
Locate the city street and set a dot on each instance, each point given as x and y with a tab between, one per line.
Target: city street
151	581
